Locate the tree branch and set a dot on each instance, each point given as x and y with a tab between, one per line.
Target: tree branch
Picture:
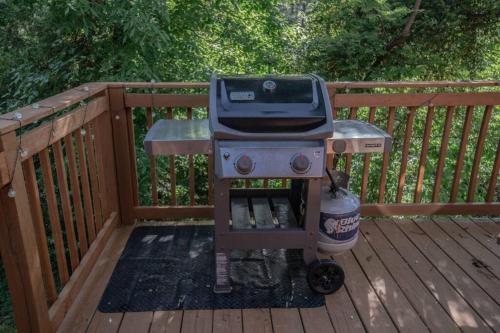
398	40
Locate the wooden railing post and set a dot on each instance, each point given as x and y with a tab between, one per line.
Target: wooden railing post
19	248
121	142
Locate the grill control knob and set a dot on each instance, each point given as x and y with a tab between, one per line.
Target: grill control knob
300	163
244	164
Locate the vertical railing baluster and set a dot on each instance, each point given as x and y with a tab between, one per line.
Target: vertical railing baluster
366	161
66	204
53	211
479	150
353	114
490	195
173	196
423	154
77	196
133	159
152	162
191	167
96	200
210	173
442	153
461	153
39	226
404	155
385	161
84	179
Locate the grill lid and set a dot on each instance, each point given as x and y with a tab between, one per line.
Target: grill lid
271	105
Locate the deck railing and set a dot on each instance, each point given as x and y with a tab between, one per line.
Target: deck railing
72	168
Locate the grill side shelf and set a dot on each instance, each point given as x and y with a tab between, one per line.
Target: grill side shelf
182	137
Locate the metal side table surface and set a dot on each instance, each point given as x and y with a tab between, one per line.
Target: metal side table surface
183	137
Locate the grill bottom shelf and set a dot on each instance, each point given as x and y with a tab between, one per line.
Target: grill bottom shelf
262	209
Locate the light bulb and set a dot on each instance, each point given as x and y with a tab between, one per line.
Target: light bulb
83	131
23	152
11	193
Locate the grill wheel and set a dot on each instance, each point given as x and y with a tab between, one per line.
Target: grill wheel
325	276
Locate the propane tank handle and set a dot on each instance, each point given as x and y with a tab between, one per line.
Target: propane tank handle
333	187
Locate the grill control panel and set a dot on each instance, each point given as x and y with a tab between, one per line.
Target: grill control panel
269	159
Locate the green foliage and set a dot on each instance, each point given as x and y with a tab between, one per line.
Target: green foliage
349	40
6	319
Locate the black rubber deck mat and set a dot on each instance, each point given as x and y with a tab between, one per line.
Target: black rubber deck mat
172	268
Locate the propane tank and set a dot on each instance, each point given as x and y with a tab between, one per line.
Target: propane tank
339	220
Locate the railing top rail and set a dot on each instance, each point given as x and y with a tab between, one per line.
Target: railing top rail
412	84
31	113
46	107
334	85
169	85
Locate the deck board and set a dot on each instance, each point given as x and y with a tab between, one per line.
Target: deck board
105	322
388	291
133	322
197	321
486	238
166	322
342	313
422	299
370	308
460	296
228	321
316	320
471	245
403	275
286	321
469	264
257	320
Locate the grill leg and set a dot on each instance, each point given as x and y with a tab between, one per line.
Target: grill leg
222	255
222	273
312	219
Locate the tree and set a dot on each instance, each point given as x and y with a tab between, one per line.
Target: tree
368	39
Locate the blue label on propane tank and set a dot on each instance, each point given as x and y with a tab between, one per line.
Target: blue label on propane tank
340	227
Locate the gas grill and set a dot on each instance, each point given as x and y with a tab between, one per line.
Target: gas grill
267	127
263	127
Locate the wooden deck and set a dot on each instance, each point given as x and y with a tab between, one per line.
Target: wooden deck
438	275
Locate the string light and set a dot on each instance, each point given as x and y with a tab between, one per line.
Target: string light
83	131
11	193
